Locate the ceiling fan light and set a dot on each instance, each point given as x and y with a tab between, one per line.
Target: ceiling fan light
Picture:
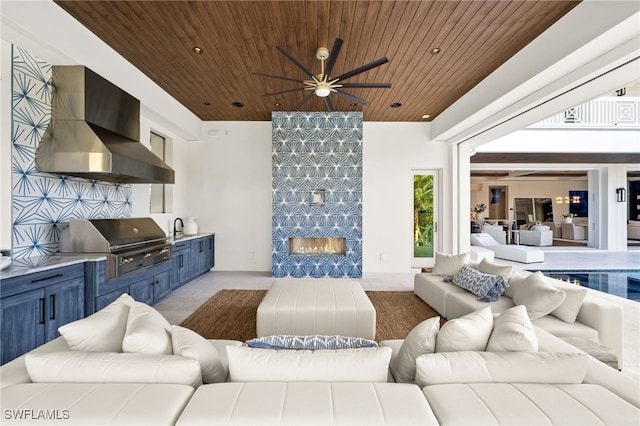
322	89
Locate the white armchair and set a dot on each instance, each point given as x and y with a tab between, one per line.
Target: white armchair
538	237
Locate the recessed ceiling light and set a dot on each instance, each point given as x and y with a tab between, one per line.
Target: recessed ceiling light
237	104
197	50
426	116
395	105
435	51
277	104
207	103
353	104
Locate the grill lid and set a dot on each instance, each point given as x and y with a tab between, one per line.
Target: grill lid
109	235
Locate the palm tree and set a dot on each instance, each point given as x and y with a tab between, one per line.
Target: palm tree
422	208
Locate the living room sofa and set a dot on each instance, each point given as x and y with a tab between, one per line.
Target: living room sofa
633	230
536	237
597	319
349	387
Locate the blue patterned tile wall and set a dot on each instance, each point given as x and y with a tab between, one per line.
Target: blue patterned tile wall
318	150
40	201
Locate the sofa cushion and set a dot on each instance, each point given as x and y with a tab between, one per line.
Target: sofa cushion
515	280
312	343
468	333
513	331
494	269
95	403
538	296
574	297
486	286
101	332
190	344
500	367
449	264
421	340
147	331
109	367
528	404
317	403
267	365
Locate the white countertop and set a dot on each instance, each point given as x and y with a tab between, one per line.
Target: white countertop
33	264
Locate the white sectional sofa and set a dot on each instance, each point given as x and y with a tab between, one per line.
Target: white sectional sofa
328	387
597	319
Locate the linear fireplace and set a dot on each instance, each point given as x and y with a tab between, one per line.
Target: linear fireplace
318	246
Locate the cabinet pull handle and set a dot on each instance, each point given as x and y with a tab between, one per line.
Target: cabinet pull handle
42	310
46	278
52	306
180	266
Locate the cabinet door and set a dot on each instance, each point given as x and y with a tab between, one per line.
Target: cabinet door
142	290
197	255
64	303
161	286
22	323
210	252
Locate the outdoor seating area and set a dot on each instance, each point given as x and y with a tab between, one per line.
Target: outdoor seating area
516	253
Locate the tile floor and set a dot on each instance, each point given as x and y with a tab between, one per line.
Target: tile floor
181	303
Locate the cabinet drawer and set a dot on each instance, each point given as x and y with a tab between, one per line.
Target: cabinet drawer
41	279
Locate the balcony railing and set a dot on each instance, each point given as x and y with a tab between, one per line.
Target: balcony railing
599	113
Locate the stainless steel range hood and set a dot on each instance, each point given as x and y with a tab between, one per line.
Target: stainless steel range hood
94	132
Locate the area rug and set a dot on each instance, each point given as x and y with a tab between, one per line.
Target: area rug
231	314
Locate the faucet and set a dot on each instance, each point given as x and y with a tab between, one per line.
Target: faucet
175	231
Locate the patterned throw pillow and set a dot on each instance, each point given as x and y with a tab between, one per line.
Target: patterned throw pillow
487	287
310	342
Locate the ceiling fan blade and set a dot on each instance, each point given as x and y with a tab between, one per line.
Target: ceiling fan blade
295	61
369	85
304	101
335	50
363	68
259	74
351	97
327	101
285	91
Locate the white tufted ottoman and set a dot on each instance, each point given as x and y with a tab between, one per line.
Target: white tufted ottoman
308	306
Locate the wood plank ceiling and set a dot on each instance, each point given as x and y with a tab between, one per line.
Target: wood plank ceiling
239	38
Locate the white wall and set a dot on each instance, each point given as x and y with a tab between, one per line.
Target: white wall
390	152
230	191
5	146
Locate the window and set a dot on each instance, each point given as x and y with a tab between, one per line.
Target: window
161	198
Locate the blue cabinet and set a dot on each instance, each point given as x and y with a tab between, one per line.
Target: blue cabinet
202	255
148	285
34	306
181	264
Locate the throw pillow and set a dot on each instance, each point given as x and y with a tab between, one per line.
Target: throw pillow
487	287
190	344
449	264
101	332
468	333
538	296
326	365
421	340
515	280
574	297
513	332
147	331
489	267
312	343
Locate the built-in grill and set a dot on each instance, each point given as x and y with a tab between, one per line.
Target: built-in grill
130	244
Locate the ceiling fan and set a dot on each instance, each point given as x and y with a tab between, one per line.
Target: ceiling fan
323	84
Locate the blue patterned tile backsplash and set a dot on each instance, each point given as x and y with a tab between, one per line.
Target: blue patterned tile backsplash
317	190
40	201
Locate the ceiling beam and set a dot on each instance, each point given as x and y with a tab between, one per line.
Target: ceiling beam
555	158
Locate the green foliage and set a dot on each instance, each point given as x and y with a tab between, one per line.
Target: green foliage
423	209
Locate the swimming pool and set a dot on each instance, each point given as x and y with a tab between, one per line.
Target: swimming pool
623	283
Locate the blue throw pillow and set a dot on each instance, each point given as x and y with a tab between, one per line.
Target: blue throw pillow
310	342
487	287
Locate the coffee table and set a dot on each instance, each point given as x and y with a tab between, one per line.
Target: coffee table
322	306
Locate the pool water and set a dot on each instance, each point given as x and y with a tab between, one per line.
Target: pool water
623	283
